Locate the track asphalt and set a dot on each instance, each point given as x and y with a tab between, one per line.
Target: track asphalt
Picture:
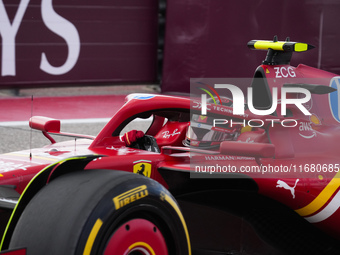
71	107
66	103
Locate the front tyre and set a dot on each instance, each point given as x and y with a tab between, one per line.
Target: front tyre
102	212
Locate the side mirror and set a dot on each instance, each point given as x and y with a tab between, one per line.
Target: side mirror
257	150
52	126
44	124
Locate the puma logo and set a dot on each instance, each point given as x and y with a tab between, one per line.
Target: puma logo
282	184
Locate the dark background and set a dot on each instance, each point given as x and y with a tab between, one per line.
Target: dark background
169	42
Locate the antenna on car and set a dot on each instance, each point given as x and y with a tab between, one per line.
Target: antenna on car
31	128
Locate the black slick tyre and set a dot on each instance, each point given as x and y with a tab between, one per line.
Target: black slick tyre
102	212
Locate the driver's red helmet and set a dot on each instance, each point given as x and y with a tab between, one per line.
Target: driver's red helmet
202	133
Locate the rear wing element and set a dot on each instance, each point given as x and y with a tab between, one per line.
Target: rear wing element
52	126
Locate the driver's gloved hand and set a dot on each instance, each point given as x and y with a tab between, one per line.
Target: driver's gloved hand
131	137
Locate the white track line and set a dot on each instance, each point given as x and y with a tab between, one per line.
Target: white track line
66	121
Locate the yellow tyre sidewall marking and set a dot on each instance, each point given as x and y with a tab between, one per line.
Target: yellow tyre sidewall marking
174	205
92	237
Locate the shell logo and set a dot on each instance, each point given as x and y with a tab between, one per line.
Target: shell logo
315	119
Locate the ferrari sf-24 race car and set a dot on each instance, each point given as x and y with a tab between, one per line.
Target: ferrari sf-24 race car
158	191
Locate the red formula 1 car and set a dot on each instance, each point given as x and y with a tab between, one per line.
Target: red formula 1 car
194	183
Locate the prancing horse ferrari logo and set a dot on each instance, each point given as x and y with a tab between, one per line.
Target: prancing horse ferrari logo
142	167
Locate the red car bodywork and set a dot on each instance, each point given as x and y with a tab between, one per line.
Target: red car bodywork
306	149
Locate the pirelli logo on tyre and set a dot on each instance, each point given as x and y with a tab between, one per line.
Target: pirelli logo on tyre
130	196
